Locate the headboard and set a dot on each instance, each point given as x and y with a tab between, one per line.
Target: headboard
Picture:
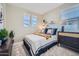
59	27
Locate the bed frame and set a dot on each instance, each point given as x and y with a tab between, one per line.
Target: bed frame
41	50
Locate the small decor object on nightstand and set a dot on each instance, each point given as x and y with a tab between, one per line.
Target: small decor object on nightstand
3	35
11	34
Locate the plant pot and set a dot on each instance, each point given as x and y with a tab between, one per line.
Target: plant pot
2	41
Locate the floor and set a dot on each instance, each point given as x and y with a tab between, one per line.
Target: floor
19	50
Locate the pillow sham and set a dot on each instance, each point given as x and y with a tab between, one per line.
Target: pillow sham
51	31
54	31
45	30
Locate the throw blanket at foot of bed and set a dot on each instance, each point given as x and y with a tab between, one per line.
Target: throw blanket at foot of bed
43	35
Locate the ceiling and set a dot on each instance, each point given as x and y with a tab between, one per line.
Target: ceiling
39	8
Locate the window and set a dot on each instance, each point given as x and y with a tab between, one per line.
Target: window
71	16
72	25
34	20
26	21
30	21
74	22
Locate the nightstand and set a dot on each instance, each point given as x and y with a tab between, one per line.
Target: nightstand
6	49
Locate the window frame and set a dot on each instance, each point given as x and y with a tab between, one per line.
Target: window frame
30	21
26	21
32	24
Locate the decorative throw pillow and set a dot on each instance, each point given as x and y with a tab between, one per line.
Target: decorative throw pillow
54	31
45	30
51	31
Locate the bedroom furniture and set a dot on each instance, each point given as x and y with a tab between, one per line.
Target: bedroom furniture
6	49
40	51
36	45
69	40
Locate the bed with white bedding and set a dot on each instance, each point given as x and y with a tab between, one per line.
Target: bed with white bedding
36	44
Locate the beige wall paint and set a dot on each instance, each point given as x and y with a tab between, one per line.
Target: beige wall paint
14	21
55	14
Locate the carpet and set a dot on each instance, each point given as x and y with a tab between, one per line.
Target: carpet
19	50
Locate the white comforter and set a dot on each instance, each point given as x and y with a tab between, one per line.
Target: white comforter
38	41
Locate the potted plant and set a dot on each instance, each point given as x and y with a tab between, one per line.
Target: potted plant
3	35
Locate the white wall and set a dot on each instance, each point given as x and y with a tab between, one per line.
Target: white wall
14	21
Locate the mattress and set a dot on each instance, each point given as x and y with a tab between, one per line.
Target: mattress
37	42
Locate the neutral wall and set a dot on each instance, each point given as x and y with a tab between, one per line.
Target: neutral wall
55	14
14	21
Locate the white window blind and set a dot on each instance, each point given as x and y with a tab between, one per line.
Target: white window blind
33	20
71	16
30	21
26	21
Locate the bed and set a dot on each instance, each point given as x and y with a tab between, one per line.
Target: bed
36	44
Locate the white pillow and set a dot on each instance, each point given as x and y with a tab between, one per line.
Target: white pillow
49	31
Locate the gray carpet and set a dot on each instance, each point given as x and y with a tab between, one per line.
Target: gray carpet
19	50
